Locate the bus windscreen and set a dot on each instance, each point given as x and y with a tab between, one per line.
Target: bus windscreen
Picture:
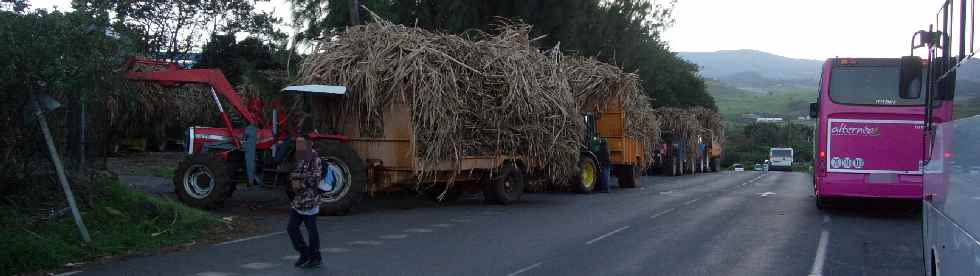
869	85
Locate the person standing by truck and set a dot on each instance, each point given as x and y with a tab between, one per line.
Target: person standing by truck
305	204
604	165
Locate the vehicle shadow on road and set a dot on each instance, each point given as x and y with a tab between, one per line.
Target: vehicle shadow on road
875	209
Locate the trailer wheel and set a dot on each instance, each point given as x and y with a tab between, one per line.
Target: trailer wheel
627	175
203	180
673	166
587	174
350	177
507	186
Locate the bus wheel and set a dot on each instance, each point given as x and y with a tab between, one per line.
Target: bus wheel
821	203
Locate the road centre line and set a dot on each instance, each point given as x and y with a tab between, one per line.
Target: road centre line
826	219
68	273
606	235
252	238
691	201
662	213
522	270
821	255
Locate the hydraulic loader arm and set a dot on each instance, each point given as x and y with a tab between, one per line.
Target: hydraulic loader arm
172	76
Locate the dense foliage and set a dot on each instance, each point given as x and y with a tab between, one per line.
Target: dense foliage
750	144
621	32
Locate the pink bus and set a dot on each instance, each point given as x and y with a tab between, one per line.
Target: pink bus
869	140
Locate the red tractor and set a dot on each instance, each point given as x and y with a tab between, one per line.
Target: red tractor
251	151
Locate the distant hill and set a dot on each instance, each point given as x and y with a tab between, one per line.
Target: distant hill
724	64
746	81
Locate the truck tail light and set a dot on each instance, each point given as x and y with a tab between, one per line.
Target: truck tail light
823	154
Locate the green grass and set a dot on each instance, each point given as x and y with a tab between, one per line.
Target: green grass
122	222
733	102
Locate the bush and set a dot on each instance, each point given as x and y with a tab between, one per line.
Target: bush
121	222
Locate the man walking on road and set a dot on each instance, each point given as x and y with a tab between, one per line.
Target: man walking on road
305	204
604	165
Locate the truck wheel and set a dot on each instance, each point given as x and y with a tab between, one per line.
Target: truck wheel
350	177
588	172
507	186
627	176
203	180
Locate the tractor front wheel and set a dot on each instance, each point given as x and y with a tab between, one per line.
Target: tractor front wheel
203	180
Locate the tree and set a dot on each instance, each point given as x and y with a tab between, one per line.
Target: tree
177	27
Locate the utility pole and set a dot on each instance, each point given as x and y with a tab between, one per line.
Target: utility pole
355	16
59	168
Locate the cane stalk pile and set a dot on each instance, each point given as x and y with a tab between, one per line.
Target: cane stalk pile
600	87
492	96
682	122
710	122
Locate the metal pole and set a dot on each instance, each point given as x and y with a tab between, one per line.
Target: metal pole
61	171
355	16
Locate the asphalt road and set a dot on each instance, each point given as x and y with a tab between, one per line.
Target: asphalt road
745	223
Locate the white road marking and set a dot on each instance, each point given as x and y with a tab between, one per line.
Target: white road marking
691	201
68	273
460	220
257	266
821	254
418	230
522	270
826	219
365	243
766	194
662	213
212	273
606	235
334	250
394	237
667	192
290	257
441	225
252	238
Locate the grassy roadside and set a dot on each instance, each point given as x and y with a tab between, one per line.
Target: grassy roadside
122	222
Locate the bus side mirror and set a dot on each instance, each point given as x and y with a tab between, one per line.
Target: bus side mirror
910	71
814	110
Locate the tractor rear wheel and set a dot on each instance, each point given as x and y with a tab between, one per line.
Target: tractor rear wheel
350	177
584	181
203	180
507	186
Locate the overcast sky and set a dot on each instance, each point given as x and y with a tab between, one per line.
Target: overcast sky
813	29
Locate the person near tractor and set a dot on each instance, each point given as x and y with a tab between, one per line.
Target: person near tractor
604	165
305	204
